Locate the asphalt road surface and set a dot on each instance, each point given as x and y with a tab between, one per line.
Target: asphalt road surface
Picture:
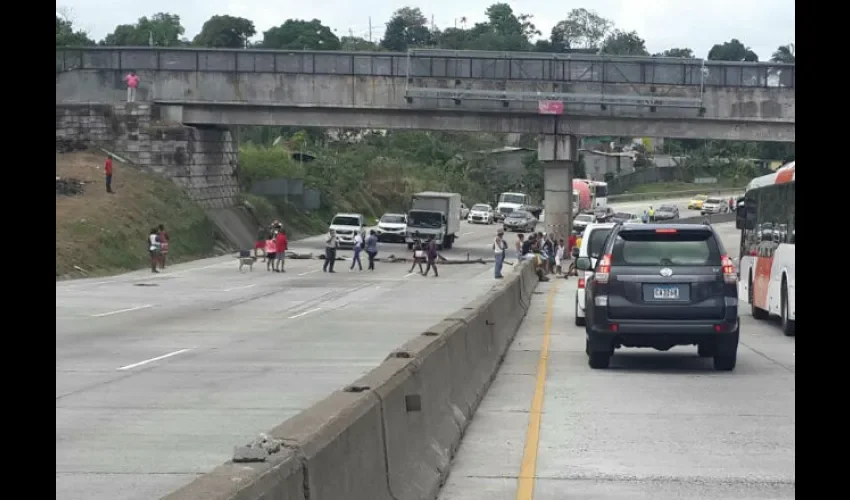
661	425
158	377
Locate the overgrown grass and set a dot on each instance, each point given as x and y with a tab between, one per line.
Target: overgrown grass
100	234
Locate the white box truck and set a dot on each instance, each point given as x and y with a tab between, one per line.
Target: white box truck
434	215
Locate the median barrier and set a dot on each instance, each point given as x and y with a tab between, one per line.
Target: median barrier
391	435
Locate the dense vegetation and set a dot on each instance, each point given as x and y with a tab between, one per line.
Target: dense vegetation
378	172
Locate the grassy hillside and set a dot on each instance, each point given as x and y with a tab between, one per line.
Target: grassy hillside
99	233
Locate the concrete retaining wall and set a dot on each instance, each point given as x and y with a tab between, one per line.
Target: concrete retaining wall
201	160
392	433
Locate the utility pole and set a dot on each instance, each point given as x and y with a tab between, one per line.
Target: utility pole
370	29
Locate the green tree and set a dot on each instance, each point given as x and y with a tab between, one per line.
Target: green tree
582	29
162	29
676	52
407	28
732	50
297	34
784	54
226	31
358	44
503	31
67	36
624	43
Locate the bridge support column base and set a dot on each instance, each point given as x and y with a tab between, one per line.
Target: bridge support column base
558	155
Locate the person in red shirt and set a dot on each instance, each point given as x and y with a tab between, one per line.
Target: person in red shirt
107	169
163	245
282	247
571	243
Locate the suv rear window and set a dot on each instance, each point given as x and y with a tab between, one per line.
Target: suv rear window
596	241
650	248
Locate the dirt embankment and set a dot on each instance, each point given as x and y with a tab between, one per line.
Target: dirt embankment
99	233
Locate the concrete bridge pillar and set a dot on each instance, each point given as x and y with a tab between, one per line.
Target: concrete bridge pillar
558	153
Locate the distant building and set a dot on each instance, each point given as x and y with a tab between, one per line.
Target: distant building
599	163
509	160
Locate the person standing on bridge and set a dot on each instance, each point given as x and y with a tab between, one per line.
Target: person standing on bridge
107	170
132	80
331	244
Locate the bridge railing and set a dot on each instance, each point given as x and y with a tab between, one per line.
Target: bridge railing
525	66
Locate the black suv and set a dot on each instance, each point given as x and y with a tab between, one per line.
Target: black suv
662	285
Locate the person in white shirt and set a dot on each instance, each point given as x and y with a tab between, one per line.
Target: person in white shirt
153	248
500	246
331	243
358	247
559	255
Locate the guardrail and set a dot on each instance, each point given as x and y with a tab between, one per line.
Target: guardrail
518	66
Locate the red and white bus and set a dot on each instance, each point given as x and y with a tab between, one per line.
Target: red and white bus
768	235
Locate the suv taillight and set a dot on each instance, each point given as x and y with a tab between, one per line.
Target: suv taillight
603	270
581	283
730	277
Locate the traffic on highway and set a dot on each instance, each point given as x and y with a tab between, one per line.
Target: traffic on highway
182	353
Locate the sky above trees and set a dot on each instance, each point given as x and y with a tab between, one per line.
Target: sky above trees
663	24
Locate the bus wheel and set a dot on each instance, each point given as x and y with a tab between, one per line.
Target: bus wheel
757	312
789	327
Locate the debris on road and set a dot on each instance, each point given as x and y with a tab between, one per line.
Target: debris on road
257	450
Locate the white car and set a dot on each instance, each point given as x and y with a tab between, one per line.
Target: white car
581	221
347	226
480	213
392	228
714	206
592	242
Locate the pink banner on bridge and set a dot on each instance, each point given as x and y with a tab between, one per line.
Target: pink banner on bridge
550	107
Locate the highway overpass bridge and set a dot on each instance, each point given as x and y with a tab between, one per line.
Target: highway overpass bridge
557	96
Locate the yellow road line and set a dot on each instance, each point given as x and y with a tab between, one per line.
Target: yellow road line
528	470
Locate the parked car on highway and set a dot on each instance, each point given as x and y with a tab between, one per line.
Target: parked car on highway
603	214
667	212
582	220
481	213
521	221
592	243
697	201
392	228
347	226
659	286
714	206
621	217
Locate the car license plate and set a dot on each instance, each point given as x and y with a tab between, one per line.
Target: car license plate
666	293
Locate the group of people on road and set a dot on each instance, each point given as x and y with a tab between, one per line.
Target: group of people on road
362	242
548	253
272	241
158	247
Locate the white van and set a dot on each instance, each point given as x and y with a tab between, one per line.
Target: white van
592	242
347	226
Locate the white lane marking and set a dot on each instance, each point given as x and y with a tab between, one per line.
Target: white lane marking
310	311
467	233
119	311
308	272
140	363
409	274
238	288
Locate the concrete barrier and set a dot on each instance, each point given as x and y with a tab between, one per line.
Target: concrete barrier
714	219
391	435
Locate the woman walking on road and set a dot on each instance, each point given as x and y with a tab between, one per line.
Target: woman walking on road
418	255
358	247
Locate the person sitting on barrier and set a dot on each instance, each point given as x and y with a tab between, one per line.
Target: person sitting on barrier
520	240
538	260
